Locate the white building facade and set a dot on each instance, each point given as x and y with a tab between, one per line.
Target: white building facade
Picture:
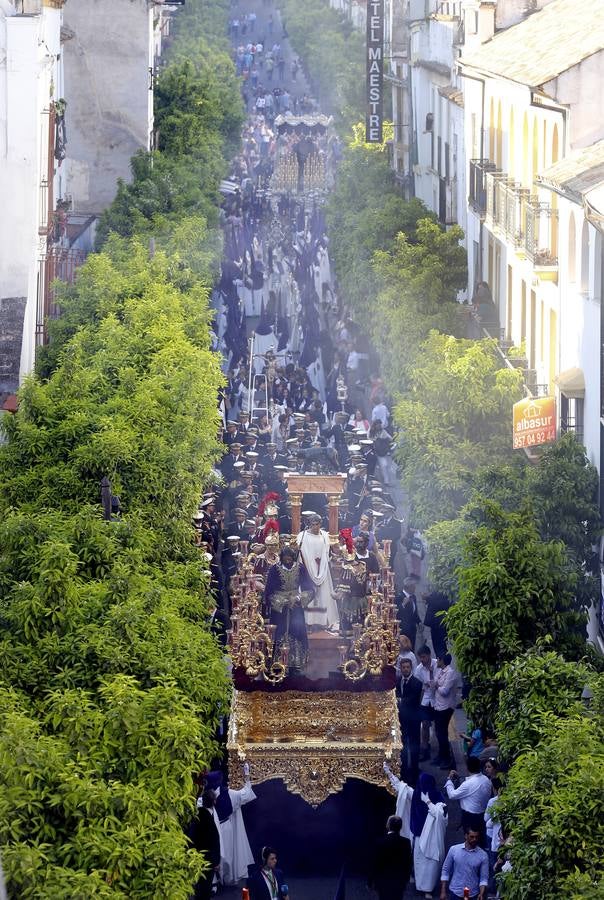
76	102
499	127
534	132
111	51
31	152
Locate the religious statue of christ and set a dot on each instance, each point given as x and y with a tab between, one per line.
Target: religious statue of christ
314	553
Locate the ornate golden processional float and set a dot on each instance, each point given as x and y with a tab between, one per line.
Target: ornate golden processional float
339	719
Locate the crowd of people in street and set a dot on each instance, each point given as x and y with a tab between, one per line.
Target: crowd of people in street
303	395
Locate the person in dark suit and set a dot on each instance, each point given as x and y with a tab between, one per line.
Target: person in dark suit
408	616
437	602
410	689
390	529
203	835
267	882
238	526
391	866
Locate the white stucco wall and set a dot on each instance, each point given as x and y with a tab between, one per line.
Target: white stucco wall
580	89
30	78
107	60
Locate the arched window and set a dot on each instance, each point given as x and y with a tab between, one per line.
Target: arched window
572	249
555	145
585	258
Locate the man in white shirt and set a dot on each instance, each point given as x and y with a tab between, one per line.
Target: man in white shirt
426	671
473	794
380	411
445	700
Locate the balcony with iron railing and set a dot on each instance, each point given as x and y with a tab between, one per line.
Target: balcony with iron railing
541	229
477	186
512	212
491	180
511	209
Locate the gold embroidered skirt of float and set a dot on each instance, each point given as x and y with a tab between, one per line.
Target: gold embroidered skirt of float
314	741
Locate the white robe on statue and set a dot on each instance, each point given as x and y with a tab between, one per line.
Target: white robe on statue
236	854
404	793
429	848
314	550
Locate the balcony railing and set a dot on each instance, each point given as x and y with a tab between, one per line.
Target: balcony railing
62	263
492	180
449	8
541	221
477	187
572	424
512	199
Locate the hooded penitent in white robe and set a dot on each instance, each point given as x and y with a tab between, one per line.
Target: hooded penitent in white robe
429	848
236	854
314	551
404	793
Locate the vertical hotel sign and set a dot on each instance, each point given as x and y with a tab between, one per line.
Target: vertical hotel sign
534	422
375	71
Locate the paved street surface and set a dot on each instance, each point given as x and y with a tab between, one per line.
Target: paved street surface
323	889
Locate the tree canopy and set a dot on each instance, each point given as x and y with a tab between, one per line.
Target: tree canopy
514	589
332	52
112	685
553	810
453	419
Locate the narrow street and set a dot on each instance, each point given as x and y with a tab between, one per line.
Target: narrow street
264	818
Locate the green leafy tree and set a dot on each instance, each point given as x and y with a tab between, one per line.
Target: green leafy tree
112	686
332	51
419	282
365	213
536	685
134	398
514	590
107	657
163	191
195	98
553	809
564	489
453	420
445	553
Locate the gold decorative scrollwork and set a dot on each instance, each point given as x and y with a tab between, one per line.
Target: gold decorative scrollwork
314	742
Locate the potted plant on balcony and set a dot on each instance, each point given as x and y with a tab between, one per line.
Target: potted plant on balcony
546	264
517	356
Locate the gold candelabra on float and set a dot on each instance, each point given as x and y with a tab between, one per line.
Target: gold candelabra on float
375	643
252	639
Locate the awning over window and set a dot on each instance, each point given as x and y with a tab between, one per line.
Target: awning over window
572	382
